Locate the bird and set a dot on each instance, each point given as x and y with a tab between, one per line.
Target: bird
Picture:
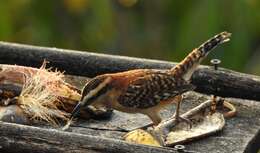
147	91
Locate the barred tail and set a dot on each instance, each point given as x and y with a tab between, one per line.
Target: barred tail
187	66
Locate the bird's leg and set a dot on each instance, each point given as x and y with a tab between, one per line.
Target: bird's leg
177	116
155	117
177	111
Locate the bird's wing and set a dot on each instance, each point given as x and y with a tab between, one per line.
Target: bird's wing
149	90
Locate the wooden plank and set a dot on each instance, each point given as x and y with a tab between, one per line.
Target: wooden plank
228	83
239	135
21	138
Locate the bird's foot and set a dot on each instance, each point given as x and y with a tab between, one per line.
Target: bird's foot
182	119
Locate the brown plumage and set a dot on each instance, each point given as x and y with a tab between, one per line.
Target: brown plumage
147	91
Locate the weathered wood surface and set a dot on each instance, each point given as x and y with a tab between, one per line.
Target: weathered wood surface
229	83
21	138
104	135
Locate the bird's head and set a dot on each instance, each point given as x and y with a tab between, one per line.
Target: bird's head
93	89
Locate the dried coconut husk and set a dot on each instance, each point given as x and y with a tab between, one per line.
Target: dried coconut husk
42	92
17	75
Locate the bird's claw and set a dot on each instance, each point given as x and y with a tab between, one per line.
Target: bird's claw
182	119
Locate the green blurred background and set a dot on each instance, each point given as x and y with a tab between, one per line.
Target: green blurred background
157	29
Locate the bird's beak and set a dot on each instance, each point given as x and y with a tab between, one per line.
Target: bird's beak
76	110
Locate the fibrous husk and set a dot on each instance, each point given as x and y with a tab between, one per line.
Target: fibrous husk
18	75
40	95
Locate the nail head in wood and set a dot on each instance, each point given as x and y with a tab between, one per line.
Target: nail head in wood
179	147
215	62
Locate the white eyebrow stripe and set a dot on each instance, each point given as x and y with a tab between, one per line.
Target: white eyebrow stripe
97	89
